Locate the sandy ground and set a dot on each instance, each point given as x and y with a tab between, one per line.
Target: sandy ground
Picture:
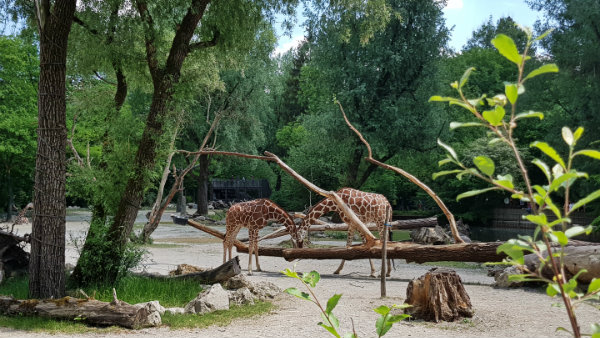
498	312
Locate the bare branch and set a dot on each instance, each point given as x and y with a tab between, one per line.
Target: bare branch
410	177
206	44
100	77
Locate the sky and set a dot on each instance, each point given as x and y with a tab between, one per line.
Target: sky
462	16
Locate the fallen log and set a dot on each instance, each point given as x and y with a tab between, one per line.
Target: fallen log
217	275
89	311
469	252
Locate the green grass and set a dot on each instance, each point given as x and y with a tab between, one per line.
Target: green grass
170	293
220	318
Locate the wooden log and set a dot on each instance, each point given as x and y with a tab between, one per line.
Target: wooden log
469	252
577	257
89	311
217	275
438	295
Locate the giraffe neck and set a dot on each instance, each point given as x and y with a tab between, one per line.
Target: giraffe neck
315	213
281	216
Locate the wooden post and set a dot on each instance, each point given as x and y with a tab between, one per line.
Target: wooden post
384	261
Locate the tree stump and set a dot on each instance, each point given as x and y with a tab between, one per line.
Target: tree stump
438	295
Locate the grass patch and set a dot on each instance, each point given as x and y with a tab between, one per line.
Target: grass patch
170	293
220	318
162	245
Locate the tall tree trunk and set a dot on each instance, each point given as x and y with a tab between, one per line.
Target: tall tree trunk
47	264
181	202
202	196
353	167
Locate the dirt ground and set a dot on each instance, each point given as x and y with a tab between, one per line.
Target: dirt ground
498	312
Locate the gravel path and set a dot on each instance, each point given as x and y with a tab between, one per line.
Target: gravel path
498	312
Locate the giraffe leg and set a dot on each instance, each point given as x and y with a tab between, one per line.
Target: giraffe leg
250	250
225	250
348	244
256	256
372	268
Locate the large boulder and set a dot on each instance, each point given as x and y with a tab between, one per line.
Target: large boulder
429	235
238	282
213	299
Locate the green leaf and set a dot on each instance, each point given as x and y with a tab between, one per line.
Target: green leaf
330	329
448	149
444	161
577	230
577	134
585	200
505	183
548	150
552	289
350	335
588	152
543	35
465	77
548	68
469	171
397	318
485	165
290	273
437	98
382	326
332	302
544	167
559	181
560	237
297	293
506	46
382	310
445	172
474	193
511	92
567	135
494	117
537	219
464	105
454	125
513	251
311	278
529	114
594	285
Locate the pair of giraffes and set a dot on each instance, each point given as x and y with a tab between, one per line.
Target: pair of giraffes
254	215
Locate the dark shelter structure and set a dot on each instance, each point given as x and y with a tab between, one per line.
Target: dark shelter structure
239	189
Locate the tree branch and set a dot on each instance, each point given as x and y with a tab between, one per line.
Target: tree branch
410	177
206	44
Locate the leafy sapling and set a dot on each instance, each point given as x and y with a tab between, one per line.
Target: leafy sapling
500	117
330	321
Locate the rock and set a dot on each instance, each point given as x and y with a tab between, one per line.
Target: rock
238	282
200	218
175	310
502	277
241	296
154	319
213	299
265	290
152	306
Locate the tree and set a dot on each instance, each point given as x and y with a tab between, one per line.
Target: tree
383	83
482	36
47	263
19	73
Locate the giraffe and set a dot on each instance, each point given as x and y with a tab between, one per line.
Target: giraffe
254	215
369	207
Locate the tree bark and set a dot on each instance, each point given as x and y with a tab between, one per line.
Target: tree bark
89	311
163	79
202	196
438	295
47	266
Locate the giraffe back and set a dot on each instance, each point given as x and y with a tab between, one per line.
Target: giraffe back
255	214
368	207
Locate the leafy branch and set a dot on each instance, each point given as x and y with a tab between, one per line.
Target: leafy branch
561	175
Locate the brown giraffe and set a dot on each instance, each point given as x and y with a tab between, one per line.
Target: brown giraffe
254	215
369	207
